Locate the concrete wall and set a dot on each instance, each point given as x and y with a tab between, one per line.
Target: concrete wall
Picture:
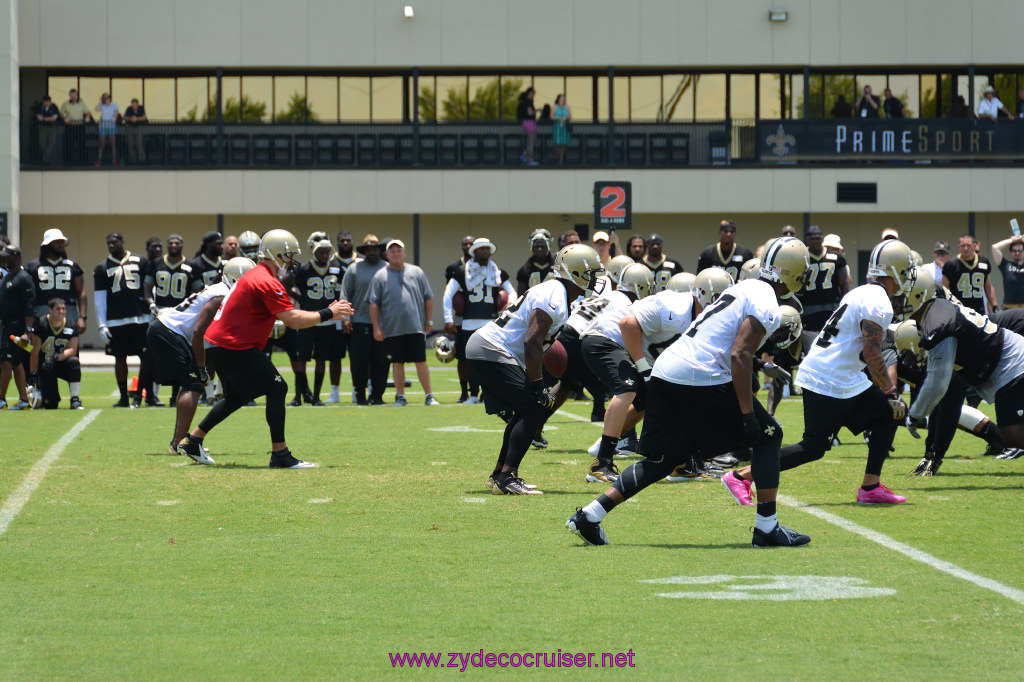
331	33
10	158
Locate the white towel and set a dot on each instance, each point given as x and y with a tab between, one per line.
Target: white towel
477	274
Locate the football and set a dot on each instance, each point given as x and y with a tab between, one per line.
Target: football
459	302
501	302
556	359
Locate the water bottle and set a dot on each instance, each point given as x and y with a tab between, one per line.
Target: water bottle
24	345
1014	227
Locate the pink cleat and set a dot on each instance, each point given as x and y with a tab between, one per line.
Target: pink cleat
880	495
738	488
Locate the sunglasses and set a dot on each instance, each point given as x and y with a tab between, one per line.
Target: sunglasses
1016	250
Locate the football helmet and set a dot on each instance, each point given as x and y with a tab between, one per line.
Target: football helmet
637	279
278	329
234	269
540	233
580	264
921	291
892	258
249	245
768	244
282	247
790	328
683	282
751	269
614	267
918	261
317	240
444	349
35	397
908	342
709	285
786	262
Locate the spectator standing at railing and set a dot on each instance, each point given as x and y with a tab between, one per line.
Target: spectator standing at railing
842	108
893	107
1012	269
76	114
560	133
46	118
109	113
867	104
135	117
990	106
527	117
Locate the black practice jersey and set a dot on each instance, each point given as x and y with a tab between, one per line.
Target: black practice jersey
532	274
979	341
53	341
172	283
663	271
16	297
452	268
821	288
55	279
732	262
967	281
481	302
317	286
1012	319
208	271
122	280
337	267
788	358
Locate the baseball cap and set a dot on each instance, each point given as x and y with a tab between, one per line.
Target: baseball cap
941	247
655	238
601	236
890	233
832	241
53	235
477	243
393	242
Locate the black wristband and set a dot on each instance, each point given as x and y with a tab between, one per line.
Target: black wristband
326	314
537	386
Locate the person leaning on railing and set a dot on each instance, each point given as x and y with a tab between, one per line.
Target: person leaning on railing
75	113
990	106
135	117
1012	269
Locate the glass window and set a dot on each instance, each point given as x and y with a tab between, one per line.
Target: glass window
602	99
741	95
322	96
483	99
620	97
427	98
678	97
839	95
231	95
386	104
547	87
290	99
193	99
1018	98
511	88
579	95
770	95
963	89
645	98
928	87
58	86
451	98
89	91
355	99
907	89
257	98
158	98
793	101
711	97
122	90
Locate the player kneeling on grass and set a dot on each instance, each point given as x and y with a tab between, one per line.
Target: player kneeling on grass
700	398
175	338
237	335
54	356
507	353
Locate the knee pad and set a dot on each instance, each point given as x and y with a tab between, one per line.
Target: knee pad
279	389
970	418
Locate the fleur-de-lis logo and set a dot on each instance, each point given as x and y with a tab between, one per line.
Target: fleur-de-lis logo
769	430
780	142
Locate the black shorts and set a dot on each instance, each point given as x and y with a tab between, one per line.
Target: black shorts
320	343
69	370
405	348
1010	403
246	374
577	374
684	421
461	339
173	361
341	342
824	416
10	351
611	363
288	342
128	339
505	383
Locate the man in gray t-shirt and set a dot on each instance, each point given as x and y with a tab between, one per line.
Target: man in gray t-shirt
402	311
366	354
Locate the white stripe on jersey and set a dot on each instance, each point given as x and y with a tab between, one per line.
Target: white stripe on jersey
182	319
508	332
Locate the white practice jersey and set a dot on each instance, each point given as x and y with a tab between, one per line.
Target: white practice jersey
607	322
585	311
701	356
507	334
662	319
182	318
833	366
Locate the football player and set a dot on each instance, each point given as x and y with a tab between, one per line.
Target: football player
700	398
507	354
170	279
343	258
238	333
17	315
540	265
207	264
467	384
366	354
54	274
249	245
967	276
480	280
827	282
726	253
175	339
54	356
315	284
123	315
229	249
662	267
837	392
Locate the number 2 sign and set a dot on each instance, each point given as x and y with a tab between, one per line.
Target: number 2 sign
613	205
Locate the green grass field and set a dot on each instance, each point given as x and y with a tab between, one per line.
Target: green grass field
128	563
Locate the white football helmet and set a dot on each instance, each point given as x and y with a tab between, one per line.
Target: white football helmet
751	269
234	269
540	233
614	267
637	279
444	349
921	291
318	239
786	261
892	258
709	285
249	245
282	247
579	264
790	329
684	282
278	329
908	342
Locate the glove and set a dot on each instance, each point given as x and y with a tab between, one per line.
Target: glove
154	309
914	423
49	366
899	409
751	430
204	376
643	367
105	333
776	372
33	379
545	398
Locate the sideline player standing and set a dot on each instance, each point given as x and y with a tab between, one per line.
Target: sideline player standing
725	253
700	399
343	259
207	264
461	366
237	336
54	274
316	285
827	282
663	267
366	354
540	266
968	277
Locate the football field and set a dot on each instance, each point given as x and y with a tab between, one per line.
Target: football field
123	562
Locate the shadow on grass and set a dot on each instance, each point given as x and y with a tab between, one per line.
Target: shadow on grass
724	545
545	491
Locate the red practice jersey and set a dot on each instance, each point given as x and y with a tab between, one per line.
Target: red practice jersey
247	315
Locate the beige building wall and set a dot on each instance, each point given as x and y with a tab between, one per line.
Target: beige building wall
10	158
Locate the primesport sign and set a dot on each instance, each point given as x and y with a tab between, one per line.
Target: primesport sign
613	205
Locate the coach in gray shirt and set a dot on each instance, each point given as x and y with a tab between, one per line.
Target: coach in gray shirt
402	311
365	353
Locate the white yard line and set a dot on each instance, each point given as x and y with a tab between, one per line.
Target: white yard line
578	418
908	551
20	497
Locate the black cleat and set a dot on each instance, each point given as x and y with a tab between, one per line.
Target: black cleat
283	459
992	450
194	449
513	485
123	402
153	401
726	460
539	441
1010	453
590	532
316	403
780	536
296	402
76	403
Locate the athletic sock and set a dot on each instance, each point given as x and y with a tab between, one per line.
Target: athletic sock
990	432
595	511
869	487
608	446
123	388
766	508
194	439
74	387
765	524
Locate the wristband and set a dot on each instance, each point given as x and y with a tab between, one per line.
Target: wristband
642	365
326	314
891	393
537	386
